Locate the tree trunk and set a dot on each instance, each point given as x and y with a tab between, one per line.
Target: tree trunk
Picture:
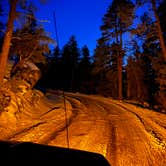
160	34
128	70
138	83
7	39
120	96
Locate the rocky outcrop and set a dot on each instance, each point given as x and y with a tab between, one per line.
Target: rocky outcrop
21	83
22	106
25	77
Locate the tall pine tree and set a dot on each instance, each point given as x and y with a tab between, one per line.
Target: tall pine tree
70	60
101	62
84	70
30	42
7	39
116	21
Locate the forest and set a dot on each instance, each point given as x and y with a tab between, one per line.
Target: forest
128	63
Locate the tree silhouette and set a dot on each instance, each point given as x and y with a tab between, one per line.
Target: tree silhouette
101	64
157	24
7	40
30	43
84	71
116	21
162	17
70	58
1	27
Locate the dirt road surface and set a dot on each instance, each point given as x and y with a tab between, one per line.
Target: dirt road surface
124	134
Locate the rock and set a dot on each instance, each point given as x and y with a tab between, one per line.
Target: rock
25	78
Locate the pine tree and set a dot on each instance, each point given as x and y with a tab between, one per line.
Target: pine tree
159	64
147	58
7	40
157	24
53	76
162	16
1	27
101	57
84	70
147	49
116	21
159	30
136	76
29	43
70	59
154	56
16	39
112	74
101	63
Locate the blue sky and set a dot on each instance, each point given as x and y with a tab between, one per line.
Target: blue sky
81	18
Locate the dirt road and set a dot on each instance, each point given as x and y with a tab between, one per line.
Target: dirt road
125	134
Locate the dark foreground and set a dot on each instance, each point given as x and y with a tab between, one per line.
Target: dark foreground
26	153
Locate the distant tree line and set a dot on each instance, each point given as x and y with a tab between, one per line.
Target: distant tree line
68	69
132	67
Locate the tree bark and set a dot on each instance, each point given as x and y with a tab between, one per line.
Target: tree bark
120	96
120	77
128	71
7	39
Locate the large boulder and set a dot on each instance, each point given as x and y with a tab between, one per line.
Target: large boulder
25	77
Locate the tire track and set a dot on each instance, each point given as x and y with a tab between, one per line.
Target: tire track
130	137
61	128
24	131
112	146
152	128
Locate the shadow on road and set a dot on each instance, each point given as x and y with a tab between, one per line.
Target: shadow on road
26	153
